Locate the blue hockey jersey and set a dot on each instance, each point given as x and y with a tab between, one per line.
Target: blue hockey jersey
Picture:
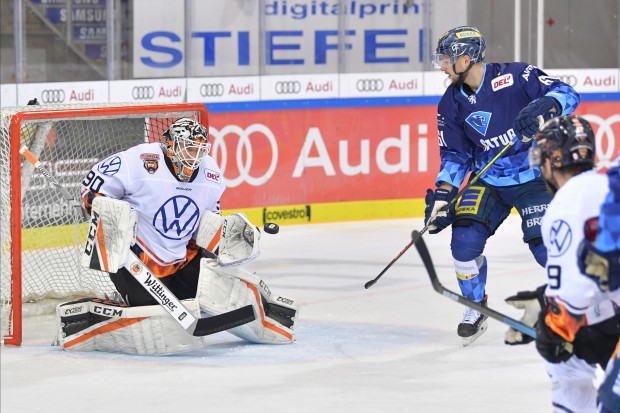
474	128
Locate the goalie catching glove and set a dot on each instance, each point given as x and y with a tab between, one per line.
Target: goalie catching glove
223	289
232	238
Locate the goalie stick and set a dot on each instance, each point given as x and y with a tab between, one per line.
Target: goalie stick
446	207
195	326
430	268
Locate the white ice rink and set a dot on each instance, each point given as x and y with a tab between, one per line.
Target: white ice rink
392	348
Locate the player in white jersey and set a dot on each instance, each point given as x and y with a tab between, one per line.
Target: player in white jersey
170	185
578	325
161	201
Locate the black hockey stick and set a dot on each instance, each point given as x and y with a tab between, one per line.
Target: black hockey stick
454	200
195	326
430	268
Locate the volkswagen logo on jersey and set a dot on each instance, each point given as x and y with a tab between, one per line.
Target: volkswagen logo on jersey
110	166
177	217
560	237
479	121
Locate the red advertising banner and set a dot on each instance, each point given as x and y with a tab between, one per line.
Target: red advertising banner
287	157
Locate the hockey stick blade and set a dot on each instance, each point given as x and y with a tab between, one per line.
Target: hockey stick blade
414	239
437	286
225	321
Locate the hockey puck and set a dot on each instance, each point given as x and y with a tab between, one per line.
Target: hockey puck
271	228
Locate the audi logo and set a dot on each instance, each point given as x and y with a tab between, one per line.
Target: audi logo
288	87
143	92
604	131
255	134
570	80
211	89
53	96
369	85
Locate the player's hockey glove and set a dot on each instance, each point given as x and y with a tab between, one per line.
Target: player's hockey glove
534	115
602	267
551	346
531	302
436	218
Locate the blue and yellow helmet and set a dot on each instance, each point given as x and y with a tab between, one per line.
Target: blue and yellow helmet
457	42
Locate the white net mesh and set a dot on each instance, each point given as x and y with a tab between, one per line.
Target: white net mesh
68	140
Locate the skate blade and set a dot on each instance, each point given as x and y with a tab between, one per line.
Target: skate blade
468	340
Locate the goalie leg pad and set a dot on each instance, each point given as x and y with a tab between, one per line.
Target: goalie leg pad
111	232
93	324
222	289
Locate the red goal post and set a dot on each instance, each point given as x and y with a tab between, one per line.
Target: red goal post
41	233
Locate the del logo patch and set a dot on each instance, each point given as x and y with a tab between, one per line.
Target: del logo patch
470	201
212	175
479	121
501	82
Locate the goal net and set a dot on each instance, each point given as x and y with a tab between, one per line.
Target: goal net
41	232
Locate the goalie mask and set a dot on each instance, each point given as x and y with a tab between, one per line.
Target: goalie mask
566	141
186	143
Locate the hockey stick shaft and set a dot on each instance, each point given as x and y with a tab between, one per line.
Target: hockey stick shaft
152	284
459	194
437	286
193	325
37	164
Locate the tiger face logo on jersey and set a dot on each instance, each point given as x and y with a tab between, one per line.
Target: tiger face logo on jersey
151	162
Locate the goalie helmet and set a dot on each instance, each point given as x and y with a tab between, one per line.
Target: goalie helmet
457	42
186	143
566	141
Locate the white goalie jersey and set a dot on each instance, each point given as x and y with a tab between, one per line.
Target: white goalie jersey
169	210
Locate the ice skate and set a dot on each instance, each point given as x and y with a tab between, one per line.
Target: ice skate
473	325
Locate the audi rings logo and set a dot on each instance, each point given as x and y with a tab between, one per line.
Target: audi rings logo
143	92
288	87
369	85
605	137
570	80
211	90
53	96
255	134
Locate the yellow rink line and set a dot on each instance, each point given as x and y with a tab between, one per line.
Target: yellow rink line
64	235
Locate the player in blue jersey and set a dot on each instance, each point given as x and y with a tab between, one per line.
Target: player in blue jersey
600	260
489	106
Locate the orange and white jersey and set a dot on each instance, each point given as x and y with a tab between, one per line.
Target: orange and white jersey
169	210
563	227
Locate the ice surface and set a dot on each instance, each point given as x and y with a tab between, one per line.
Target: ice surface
391	348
